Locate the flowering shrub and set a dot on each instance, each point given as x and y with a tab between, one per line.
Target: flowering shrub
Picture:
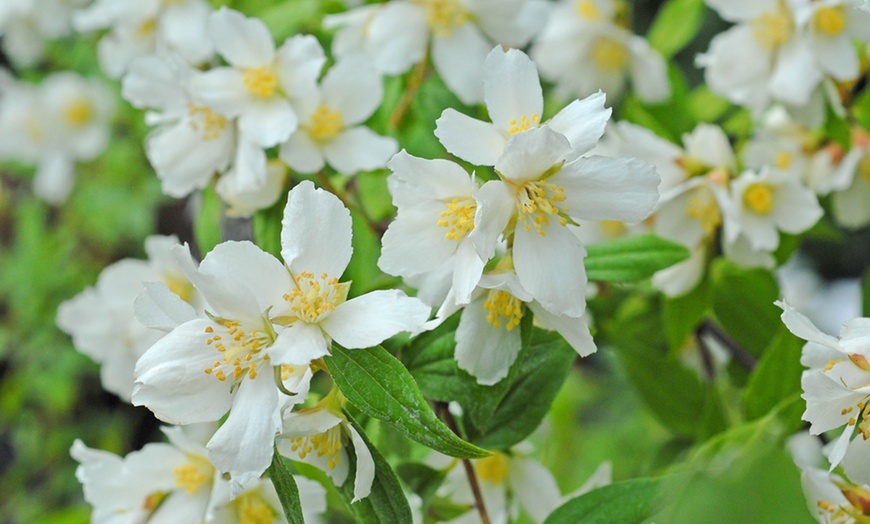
434	260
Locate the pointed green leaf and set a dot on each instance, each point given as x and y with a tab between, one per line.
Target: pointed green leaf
632	258
288	492
743	303
380	386
675	25
777	377
627	502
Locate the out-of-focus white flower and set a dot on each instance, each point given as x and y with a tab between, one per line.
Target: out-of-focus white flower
192	141
515	103
350	92
261	83
396	35
436	208
582	51
160	483
319	436
25	25
850	183
53	125
258	502
244	199
100	319
831	28
764	203
140	28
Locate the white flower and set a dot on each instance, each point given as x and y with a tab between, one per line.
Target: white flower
350	92
25	25
396	35
140	28
850	182
762	57
515	103
261	82
583	51
266	323
243	198
537	193
100	319
831	29
192	142
159	483
53	125
319	436
436	208
765	202
258	502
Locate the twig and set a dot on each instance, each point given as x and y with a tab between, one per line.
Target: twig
469	469
414	84
738	352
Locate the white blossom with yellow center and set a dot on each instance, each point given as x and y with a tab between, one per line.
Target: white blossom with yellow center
539	194
763	203
331	130
436	210
261	82
832	28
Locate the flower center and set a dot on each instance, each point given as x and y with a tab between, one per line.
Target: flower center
192	475
759	198
147	27
325	124
314	298
783	160
458	218
443	16
609	55
78	112
260	81
251	508
206	122
537	202
503	309
492	469
702	207
773	29
241	350
588	10
612	228
524	124
180	286
830	20
326	444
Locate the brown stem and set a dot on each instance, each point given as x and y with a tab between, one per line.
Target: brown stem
469	469
414	84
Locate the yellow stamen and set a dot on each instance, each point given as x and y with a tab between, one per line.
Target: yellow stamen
830	20
759	198
503	309
206	122
458	218
773	29
538	201
251	508
314	298
609	55
524	124
588	10
193	474
261	81
79	112
444	16
492	469
325	124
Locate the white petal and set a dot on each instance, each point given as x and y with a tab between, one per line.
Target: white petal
171	379
396	37
484	351
422	179
468	267
353	88
243	444
299	62
243	42
413	243
316	232
359	149
529	154
308	423
222	89
551	268
365	466
298	345
795	74
512	87
649	73
534	487
797	208
368	320
575	331
836	56
159	308
742	10
470	139
459	58
54	178
804	328
302	153
496	204
602	188
268	122
185	162
582	122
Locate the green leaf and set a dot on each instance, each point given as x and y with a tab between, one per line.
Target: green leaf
743	302
632	258
706	105
266	225
207	228
675	25
386	503
683	314
286	488
776	378
423	480
627	502
380	386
